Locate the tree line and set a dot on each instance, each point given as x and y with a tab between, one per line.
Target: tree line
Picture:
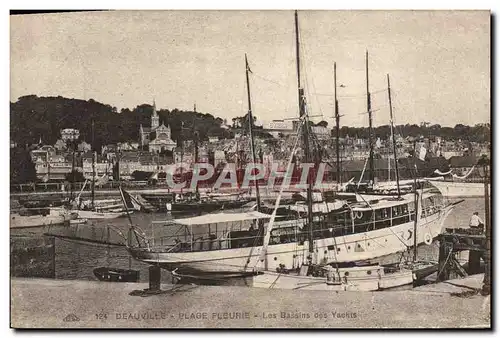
33	117
478	133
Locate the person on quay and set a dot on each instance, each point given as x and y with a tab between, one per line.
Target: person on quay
475	221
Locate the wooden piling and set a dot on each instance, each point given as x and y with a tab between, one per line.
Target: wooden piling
154	278
444	256
474	262
454	241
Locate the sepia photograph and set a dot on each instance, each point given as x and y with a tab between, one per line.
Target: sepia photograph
250	169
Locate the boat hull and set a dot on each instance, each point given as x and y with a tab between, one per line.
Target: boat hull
116	275
348	279
101	215
350	248
163	203
56	216
459	189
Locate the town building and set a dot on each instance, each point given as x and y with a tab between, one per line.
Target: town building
280	128
60	145
103	168
70	134
42	153
137	161
55	169
183	157
322	133
219	158
127	146
84	147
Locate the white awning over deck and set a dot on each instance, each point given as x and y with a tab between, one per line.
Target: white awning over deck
222	217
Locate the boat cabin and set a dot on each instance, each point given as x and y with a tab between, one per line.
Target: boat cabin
383	213
227	230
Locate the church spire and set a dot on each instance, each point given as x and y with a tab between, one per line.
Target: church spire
155	119
154	108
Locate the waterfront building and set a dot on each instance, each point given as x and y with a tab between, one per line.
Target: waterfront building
142	161
103	167
54	167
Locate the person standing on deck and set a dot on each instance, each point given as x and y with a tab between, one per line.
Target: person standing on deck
475	221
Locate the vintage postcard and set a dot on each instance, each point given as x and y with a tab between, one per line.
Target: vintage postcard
250	169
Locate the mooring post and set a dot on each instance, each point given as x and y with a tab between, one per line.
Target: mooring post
154	278
474	262
444	256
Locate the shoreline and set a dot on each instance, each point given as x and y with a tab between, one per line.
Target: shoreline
45	303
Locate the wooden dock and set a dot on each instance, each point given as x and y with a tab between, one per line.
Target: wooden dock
454	241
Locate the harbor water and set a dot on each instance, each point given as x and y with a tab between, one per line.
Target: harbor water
77	260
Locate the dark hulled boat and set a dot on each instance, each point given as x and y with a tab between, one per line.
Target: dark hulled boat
188	203
106	274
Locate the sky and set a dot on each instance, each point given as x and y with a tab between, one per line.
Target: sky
438	62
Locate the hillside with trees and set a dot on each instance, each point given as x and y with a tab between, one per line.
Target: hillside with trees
478	133
32	117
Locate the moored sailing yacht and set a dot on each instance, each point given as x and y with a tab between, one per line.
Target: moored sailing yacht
105	209
358	231
36	217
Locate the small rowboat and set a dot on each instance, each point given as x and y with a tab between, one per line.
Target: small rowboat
107	274
78	221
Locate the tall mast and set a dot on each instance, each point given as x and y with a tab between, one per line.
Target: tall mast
73	143
297	54
337	123
237	162
93	177
250	129
92	145
48	166
93	165
415	202
195	134
369	108
182	146
392	135
303	114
